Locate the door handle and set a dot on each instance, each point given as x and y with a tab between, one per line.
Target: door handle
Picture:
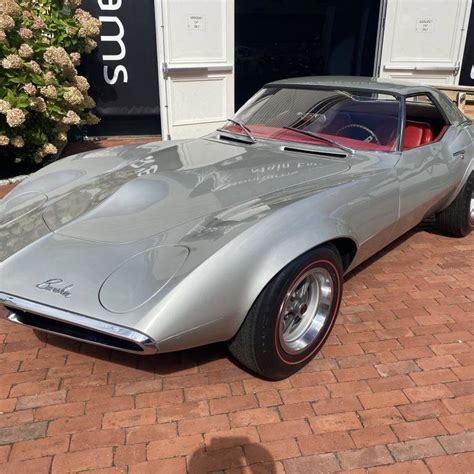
459	154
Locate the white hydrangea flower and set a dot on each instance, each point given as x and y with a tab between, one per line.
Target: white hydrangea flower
25	51
10	7
7	22
75	58
17	142
71	118
15	117
73	96
12	61
50	92
49	149
30	89
4	106
25	33
38	104
33	66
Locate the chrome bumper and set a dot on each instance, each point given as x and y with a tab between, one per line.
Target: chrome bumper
76	326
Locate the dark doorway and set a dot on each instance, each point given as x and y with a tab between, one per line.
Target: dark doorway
467	77
276	39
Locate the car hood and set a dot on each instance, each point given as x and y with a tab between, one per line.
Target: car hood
150	189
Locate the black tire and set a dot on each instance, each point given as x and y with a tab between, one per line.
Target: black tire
258	346
456	219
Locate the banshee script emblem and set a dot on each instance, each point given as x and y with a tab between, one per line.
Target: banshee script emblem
52	286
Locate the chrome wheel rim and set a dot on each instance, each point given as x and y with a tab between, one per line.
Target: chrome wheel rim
305	310
471	208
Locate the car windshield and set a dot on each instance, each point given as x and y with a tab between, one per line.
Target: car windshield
352	120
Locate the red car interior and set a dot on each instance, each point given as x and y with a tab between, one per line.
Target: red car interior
418	132
276	133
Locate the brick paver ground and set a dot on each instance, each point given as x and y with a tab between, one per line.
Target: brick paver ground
391	392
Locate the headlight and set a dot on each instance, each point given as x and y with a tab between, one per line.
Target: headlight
140	278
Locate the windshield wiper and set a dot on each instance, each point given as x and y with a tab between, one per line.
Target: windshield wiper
242	126
322	138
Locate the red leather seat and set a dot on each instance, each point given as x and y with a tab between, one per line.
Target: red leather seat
417	134
427	135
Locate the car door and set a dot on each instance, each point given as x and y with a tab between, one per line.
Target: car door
432	169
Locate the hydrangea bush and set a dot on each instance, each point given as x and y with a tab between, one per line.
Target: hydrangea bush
41	93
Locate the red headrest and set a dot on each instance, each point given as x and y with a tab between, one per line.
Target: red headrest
416	134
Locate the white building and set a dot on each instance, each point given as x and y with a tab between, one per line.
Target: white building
180	67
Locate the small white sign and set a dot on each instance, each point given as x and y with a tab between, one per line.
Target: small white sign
425	25
197	22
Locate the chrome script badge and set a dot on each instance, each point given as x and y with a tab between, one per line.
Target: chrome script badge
52	286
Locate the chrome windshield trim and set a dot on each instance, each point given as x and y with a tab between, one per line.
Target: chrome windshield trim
11	303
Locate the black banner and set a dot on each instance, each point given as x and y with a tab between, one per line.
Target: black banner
123	69
467	71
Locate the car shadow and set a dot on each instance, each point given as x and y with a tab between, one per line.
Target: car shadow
223	453
428	225
380	254
160	364
183	362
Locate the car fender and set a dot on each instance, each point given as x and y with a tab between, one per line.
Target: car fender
469	171
240	276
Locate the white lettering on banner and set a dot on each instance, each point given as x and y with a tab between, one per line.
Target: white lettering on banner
118	38
472	71
109	4
119	70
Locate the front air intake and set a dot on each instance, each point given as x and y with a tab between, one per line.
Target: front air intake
76	326
74	332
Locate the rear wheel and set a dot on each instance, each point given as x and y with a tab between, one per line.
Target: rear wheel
458	218
293	316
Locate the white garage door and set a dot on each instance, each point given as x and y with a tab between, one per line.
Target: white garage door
423	40
196	63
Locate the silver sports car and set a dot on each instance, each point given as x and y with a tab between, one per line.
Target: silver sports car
243	235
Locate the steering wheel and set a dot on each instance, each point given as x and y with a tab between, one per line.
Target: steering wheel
371	136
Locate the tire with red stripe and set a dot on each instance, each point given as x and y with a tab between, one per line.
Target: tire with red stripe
293	316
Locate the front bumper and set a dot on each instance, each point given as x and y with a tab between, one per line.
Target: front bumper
76	326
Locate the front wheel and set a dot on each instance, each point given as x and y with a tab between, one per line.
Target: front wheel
293	316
